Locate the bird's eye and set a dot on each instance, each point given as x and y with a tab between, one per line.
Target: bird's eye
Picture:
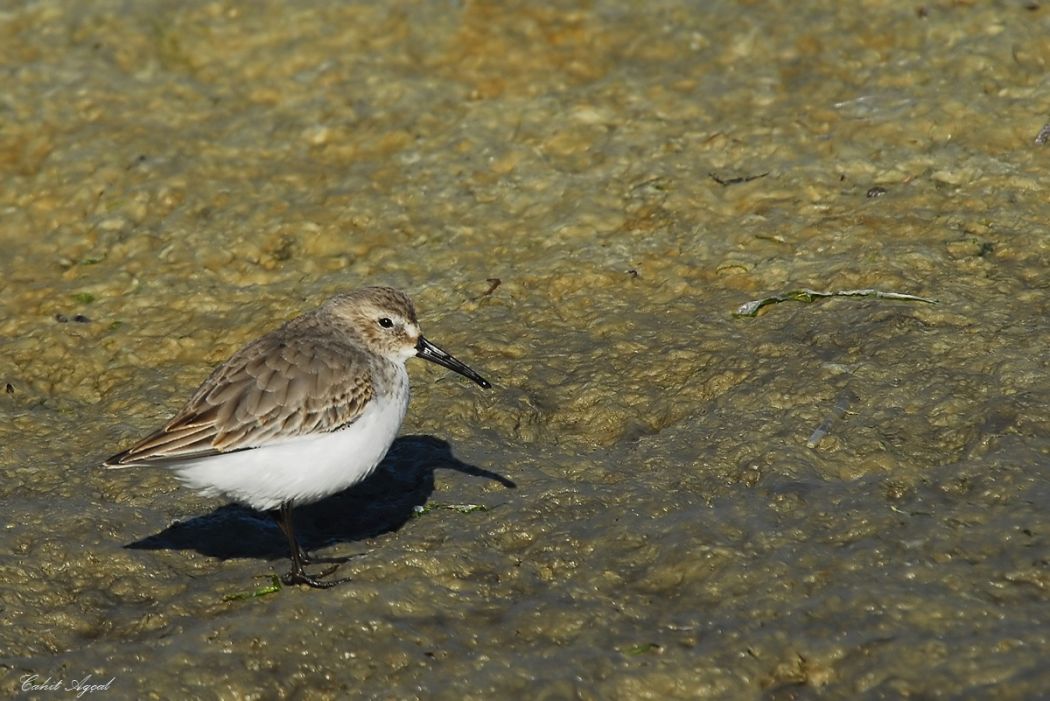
386	323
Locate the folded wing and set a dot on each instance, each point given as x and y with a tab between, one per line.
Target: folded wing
272	390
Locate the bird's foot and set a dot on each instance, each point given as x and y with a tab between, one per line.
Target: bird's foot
299	576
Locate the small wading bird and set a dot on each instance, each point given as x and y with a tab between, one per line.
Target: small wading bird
301	413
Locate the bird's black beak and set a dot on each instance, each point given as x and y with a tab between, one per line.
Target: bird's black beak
428	351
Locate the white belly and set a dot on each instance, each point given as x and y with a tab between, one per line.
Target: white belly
305	469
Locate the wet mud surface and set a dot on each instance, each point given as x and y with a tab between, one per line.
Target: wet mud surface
578	197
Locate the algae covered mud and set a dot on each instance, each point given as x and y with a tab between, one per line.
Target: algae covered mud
658	499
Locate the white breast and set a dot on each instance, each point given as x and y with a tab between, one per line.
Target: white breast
305	469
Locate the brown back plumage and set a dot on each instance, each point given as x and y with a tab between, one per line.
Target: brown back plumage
297	380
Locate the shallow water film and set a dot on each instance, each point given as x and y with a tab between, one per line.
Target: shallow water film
840	497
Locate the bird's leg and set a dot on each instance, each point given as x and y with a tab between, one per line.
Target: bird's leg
304	557
298	575
283	518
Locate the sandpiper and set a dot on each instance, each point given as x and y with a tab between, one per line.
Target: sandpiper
300	413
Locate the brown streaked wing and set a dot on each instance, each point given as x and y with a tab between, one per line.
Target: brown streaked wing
277	387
